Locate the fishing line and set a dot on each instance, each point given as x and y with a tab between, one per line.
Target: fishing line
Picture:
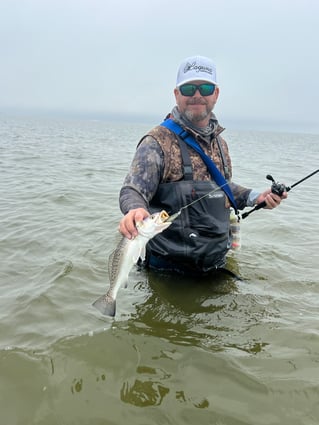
174	216
277	188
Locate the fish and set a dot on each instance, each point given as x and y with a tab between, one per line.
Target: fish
126	254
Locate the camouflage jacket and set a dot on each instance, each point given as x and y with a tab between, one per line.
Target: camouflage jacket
158	160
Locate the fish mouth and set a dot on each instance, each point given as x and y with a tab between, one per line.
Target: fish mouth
164	216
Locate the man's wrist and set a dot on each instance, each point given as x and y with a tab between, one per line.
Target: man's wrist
252	198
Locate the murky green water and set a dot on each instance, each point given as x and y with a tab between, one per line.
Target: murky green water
179	351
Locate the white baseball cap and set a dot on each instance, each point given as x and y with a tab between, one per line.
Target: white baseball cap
196	68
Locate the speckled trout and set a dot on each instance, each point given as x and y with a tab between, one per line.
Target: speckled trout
127	254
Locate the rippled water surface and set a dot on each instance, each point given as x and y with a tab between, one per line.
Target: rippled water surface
179	351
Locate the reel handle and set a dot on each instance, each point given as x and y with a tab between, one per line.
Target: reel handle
276	188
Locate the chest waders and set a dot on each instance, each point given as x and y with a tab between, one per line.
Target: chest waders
198	240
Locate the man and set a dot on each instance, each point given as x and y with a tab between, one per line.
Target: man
168	172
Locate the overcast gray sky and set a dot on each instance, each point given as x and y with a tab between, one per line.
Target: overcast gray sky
121	57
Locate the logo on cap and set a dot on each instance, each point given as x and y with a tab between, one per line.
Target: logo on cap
197	68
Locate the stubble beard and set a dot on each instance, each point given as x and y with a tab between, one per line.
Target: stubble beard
196	117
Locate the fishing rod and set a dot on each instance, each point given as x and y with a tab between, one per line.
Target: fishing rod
278	189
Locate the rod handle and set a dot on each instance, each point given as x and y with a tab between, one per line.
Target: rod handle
257	207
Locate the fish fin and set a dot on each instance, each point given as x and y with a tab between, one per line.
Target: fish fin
142	253
135	258
106	305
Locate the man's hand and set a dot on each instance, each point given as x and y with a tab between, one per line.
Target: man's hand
272	200
127	225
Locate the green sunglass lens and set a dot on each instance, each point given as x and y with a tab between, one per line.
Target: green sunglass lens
190	89
206	89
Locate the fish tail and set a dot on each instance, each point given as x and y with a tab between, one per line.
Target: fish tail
106	305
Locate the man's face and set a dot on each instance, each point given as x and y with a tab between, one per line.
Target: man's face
196	108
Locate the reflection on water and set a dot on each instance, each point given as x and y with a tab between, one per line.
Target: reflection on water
207	313
143	393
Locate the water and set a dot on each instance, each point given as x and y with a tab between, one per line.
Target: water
179	351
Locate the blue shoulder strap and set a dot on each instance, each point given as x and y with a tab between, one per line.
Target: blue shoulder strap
213	170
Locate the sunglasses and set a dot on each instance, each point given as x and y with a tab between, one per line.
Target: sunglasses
204	89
